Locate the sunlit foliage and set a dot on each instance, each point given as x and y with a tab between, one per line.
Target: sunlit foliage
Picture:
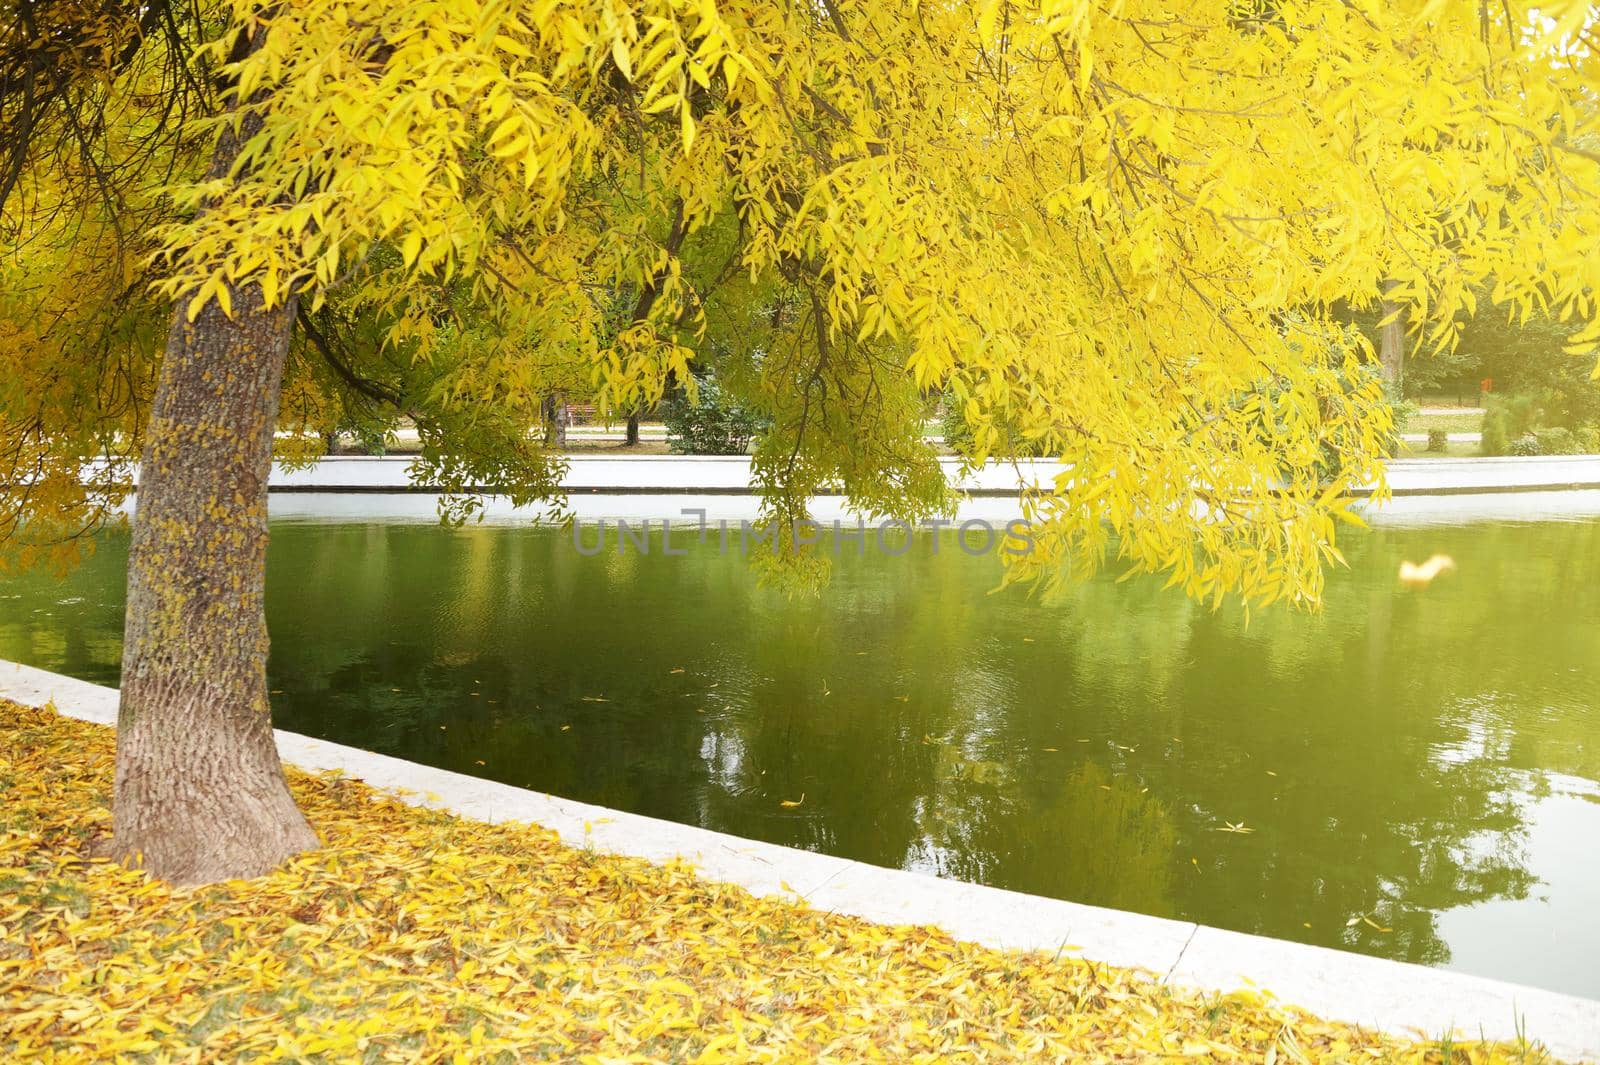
1111	230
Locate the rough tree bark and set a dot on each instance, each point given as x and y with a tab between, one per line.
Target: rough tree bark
200	794
1392	338
556	418
633	429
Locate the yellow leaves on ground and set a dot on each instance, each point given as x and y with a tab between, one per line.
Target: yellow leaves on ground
414	936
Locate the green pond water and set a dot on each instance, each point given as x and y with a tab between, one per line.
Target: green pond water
1428	761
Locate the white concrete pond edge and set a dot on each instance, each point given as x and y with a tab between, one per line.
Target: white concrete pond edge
625	474
1384	995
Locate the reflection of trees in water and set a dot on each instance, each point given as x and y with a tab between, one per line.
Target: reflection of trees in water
1106	830
917	714
73	626
1381	804
1103	840
1334	738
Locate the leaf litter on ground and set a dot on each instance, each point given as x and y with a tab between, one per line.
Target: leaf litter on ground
416	936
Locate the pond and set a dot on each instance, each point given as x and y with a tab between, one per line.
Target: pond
1411	774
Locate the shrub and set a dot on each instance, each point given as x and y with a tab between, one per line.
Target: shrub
1556	441
957	434
1506	419
953	426
1588	438
1437	439
1402	410
1523	446
715	424
1495	439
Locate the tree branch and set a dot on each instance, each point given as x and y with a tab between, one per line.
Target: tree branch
375	390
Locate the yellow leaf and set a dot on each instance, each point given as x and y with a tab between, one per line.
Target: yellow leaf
619	55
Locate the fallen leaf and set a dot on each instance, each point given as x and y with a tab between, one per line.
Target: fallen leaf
418	935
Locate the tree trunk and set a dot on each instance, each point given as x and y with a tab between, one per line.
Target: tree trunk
633	429
556	418
200	794
1392	339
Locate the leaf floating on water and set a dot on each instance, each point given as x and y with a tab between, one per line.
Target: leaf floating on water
903	698
1053	750
1375	924
678	670
565	727
794	802
594	698
1237	829
479	761
1413	575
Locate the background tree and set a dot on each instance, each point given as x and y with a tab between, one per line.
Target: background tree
1392	339
1085	222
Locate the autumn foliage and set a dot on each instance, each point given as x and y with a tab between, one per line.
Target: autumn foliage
415	936
1111	232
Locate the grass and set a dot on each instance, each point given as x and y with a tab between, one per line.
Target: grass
1452	450
416	936
1450	423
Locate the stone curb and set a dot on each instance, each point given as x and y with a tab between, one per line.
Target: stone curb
713	475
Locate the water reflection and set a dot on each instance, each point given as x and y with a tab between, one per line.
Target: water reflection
1422	764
